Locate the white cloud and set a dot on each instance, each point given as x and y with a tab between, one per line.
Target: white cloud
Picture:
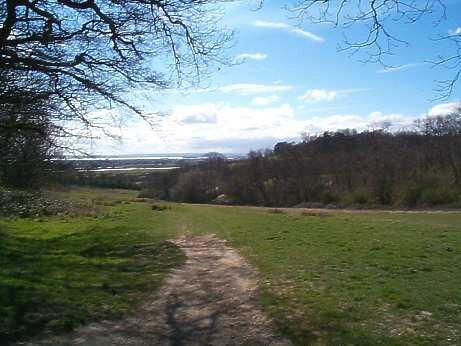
248	88
318	95
354	121
251	56
206	114
271	25
307	34
265	101
444	108
400	68
324	95
392	120
456	31
224	127
283	26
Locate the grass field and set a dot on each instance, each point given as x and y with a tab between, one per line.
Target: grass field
327	279
60	272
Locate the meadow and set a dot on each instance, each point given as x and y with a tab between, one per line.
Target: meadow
326	278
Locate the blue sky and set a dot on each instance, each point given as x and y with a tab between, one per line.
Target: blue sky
291	79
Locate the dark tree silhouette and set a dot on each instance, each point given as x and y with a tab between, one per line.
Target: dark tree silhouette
88	52
27	135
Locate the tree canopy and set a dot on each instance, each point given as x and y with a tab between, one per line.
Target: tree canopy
88	51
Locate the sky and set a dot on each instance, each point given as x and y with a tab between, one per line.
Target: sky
289	79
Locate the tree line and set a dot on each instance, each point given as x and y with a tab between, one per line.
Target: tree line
343	168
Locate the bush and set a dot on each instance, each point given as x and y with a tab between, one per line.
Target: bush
439	195
277	211
27	204
309	205
316	214
160	207
196	186
146	193
360	197
412	195
330	198
382	191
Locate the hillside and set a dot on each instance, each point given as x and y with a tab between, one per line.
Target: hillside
325	278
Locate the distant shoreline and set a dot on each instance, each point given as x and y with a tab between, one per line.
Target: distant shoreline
130	169
188	156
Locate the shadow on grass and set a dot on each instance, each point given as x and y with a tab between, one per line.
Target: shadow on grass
57	284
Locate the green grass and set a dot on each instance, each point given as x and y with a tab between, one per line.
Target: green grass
61	272
349	278
342	279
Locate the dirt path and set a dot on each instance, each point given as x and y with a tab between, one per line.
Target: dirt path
211	300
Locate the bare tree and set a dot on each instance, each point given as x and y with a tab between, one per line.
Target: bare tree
451	62
88	52
27	135
444	133
369	29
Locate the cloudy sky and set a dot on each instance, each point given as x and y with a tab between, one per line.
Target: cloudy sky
291	80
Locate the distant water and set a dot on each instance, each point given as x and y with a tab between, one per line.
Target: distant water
133	169
115	158
153	162
154	157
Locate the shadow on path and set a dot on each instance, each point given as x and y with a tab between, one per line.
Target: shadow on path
211	300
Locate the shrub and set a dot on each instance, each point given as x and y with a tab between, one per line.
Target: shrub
277	211
196	186
160	207
412	195
330	198
439	195
316	214
27	204
360	197
382	191
146	193
309	205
